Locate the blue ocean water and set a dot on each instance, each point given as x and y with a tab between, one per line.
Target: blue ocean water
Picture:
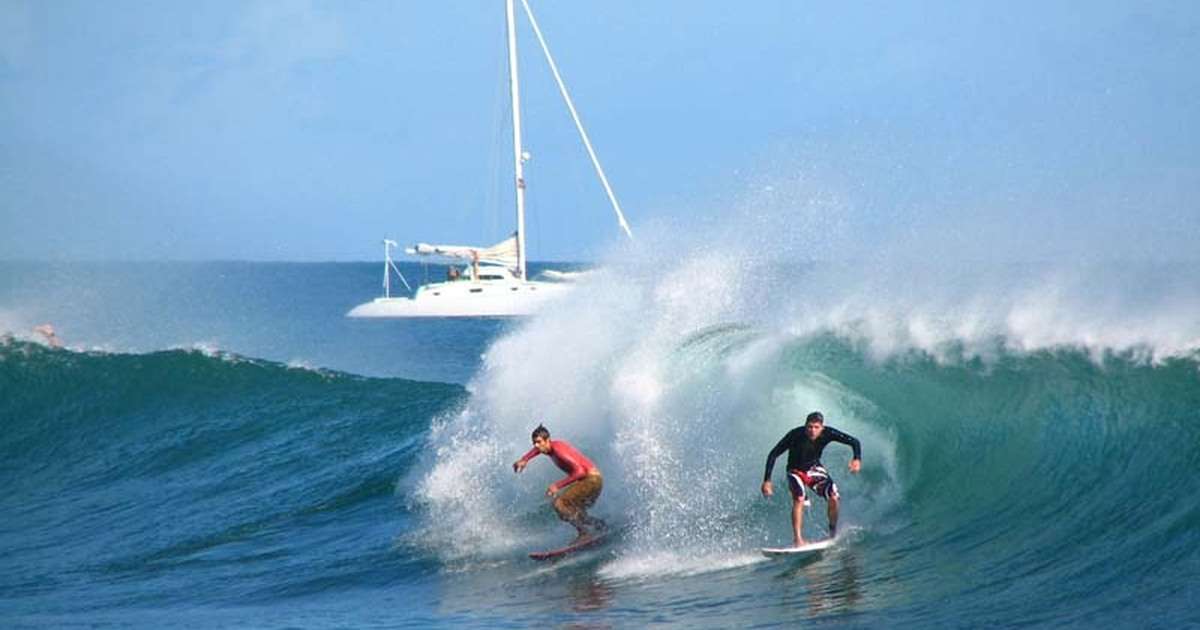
217	446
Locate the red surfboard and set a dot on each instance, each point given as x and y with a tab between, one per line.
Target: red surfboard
571	548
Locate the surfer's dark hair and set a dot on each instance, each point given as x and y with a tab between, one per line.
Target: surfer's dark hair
815	417
540	431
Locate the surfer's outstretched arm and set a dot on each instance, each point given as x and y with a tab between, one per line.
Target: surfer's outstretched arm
519	465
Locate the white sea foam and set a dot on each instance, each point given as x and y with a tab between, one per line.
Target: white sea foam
464	492
209	349
951	315
212	350
637	566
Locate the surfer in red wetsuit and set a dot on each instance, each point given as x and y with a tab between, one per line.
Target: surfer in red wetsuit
804	445
577	491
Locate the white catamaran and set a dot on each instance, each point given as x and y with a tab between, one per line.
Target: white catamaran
491	281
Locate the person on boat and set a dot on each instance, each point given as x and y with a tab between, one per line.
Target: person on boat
452	273
577	491
804	445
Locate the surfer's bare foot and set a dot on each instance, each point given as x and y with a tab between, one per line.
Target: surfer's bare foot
799	543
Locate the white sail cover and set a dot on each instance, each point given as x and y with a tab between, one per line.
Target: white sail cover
502	253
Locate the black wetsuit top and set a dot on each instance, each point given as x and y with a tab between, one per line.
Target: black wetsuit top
803	453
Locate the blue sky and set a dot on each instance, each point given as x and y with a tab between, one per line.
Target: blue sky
306	130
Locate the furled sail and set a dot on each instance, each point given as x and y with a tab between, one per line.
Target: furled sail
502	253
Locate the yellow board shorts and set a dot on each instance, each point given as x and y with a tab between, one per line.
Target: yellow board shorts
580	496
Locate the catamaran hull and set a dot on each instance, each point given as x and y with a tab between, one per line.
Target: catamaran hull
465	299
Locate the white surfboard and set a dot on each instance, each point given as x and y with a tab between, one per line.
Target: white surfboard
820	545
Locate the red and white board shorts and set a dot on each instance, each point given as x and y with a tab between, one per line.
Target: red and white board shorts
816	478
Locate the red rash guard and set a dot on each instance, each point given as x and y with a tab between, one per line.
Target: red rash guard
567	459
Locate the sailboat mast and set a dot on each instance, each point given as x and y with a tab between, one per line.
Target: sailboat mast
518	167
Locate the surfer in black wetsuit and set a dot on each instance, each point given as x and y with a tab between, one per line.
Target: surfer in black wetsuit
804	446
